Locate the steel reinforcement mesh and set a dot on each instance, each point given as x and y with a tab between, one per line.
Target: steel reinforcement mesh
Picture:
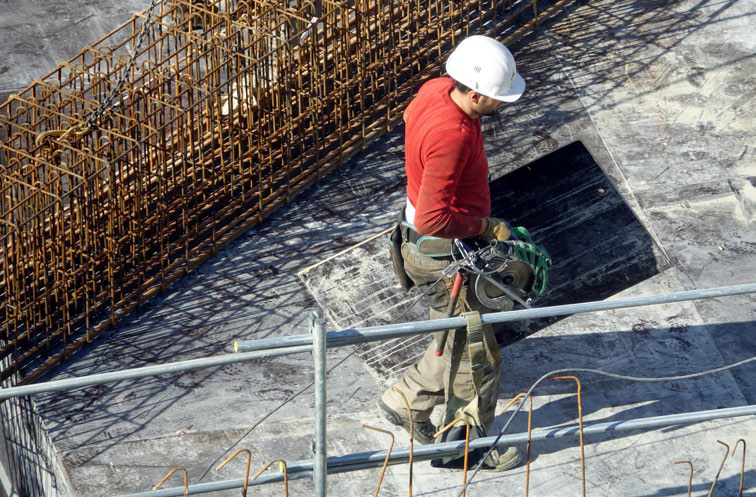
133	162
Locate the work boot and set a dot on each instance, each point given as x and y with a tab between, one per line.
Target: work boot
502	461
497	461
422	431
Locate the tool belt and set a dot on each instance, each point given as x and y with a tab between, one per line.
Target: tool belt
431	246
427	245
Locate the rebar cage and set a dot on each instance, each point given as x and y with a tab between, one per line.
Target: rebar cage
133	162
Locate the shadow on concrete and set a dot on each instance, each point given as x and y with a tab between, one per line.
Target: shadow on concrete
724	486
641	352
598	246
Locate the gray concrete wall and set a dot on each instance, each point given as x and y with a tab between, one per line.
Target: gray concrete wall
29	458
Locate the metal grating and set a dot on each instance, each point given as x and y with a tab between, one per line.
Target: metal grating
222	112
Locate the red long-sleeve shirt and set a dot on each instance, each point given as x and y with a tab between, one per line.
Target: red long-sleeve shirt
446	165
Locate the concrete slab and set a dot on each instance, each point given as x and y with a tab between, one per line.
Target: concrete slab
666	90
40	34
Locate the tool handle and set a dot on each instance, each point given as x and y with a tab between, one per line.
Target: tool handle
450	312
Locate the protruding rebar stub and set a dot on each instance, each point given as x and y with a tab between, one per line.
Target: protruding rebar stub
246	473
386	460
168	475
727	452
742	464
690	477
282	468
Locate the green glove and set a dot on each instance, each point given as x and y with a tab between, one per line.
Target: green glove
498	229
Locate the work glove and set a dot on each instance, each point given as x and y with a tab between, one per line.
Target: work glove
498	229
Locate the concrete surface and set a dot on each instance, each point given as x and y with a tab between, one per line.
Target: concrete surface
37	35
661	95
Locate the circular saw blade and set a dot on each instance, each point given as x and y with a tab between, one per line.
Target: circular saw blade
517	276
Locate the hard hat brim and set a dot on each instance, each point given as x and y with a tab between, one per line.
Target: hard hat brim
515	91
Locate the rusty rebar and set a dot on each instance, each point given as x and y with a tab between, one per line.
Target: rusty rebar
137	159
412	436
467	444
246	471
282	466
580	423
169	474
690	478
727	452
530	429
527	450
742	465
385	461
510	403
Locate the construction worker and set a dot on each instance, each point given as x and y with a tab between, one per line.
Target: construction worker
448	197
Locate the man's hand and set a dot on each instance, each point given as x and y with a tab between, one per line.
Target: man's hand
497	229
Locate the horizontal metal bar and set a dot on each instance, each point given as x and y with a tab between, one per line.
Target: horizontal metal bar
160	369
367	460
303	343
375	333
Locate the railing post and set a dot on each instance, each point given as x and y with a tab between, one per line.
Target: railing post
317	328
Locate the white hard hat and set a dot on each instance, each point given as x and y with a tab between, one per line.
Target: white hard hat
487	67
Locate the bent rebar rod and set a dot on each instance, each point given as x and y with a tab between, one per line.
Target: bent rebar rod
727	453
375	459
412	437
388	455
690	477
246	472
580	422
742	465
303	343
361	335
467	443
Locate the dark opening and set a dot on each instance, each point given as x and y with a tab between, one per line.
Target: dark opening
570	206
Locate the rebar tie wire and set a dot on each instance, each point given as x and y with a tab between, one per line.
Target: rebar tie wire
598	372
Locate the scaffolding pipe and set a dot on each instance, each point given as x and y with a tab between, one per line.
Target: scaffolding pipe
375	333
368	460
160	369
303	343
320	464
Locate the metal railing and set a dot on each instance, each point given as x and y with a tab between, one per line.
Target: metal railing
318	342
259	349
